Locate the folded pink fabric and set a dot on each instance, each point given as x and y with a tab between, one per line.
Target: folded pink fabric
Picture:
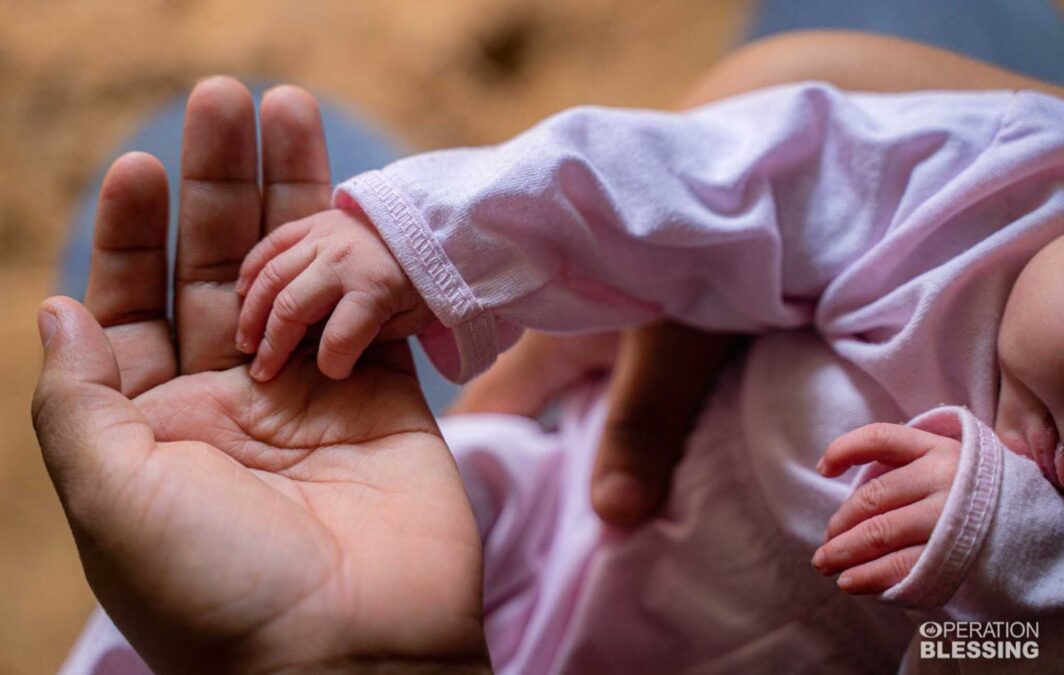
871	240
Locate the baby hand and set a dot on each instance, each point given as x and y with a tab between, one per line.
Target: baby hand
878	533
331	262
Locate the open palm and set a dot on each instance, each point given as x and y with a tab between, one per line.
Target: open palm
226	524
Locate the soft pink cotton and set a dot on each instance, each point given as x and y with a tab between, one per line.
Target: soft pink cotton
870	240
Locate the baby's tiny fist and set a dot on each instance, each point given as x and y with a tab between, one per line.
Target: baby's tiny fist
331	265
879	532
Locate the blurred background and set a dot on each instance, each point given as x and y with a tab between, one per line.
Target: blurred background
77	76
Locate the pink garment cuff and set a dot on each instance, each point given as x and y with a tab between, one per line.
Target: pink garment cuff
965	520
464	341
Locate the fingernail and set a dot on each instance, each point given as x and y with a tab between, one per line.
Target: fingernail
818	559
242	341
256	370
845	582
622	495
241	286
46	326
820	466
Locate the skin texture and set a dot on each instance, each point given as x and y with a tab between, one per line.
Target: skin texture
331	264
876	536
303	525
1030	414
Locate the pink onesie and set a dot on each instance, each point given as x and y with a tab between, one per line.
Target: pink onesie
869	240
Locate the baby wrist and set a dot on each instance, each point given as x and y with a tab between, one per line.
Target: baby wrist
464	340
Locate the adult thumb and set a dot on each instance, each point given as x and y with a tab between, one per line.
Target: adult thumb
79	412
659	382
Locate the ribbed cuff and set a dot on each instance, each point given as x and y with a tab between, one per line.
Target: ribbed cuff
470	329
965	520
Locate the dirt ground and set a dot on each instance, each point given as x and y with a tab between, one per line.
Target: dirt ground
77	75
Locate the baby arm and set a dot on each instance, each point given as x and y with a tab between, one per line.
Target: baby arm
879	532
330	264
997	543
743	216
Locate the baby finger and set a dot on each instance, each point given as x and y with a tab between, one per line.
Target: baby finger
352	327
302	303
891	444
892	490
279	241
274	277
880	535
879	575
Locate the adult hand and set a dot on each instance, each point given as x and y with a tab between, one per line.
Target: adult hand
660	376
227	525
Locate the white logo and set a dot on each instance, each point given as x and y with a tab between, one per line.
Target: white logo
978	640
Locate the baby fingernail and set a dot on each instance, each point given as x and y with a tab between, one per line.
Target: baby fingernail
256	370
241	286
818	558
242	341
845	582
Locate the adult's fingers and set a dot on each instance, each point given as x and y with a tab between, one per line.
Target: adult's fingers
295	162
89	432
219	221
660	379
128	276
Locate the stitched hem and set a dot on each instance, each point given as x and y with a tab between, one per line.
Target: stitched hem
965	520
430	269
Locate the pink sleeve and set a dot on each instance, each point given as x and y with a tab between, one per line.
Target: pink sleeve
997	551
746	215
